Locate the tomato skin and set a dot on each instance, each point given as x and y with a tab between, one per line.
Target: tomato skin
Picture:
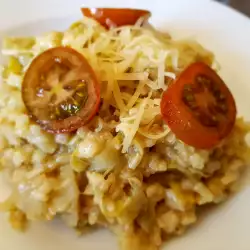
183	123
112	17
31	82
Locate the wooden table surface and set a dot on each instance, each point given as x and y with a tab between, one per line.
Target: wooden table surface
241	5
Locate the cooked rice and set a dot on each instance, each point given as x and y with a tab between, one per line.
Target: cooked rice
129	174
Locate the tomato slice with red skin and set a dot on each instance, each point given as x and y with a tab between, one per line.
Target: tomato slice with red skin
198	107
60	90
112	17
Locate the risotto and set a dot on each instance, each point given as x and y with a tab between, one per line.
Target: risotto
102	150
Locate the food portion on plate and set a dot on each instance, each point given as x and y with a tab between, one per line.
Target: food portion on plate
114	124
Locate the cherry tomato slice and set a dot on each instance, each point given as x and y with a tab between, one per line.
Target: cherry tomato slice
198	107
60	90
111	17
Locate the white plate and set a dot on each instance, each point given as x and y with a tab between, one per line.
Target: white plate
218	28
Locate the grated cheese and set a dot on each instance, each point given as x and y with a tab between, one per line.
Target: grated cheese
117	95
161	70
170	74
133	128
130	62
133	76
153	136
136	95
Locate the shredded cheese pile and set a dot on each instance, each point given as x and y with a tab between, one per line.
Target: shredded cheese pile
134	66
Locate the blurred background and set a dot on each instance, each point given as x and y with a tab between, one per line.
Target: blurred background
241	5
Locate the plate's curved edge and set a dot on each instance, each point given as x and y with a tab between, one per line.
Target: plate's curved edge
230	9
